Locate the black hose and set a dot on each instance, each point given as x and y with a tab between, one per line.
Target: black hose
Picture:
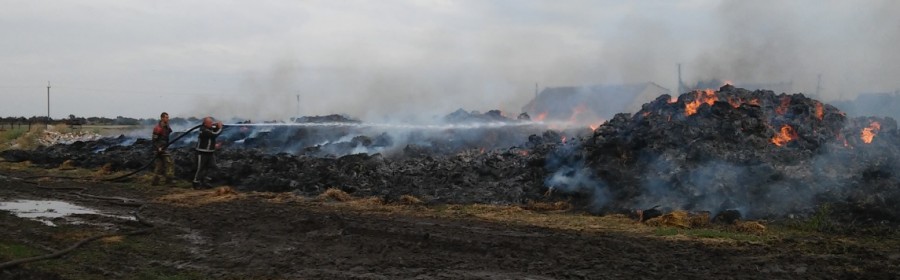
154	157
145	166
148	226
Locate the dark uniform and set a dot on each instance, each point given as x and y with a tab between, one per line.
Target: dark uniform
165	167
206	148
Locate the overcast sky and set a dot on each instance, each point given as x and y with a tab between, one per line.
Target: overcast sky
376	59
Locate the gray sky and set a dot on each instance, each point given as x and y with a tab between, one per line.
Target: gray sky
398	59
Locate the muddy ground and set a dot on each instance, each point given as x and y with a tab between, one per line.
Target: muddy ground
222	234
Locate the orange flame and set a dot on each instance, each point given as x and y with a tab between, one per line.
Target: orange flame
710	97
593	127
786	135
783	107
540	117
690	108
754	102
735	101
673	99
707	96
868	134
820	111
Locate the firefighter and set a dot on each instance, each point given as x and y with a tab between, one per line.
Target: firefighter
206	148
165	167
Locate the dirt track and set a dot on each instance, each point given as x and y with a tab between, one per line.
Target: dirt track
225	235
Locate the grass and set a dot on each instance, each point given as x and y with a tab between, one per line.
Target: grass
20	137
665	231
106	253
528	215
807	235
721	234
13	134
820	221
17	251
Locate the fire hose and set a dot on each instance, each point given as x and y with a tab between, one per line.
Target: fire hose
58	253
123	201
148	226
113	179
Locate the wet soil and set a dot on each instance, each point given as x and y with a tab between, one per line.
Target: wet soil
222	234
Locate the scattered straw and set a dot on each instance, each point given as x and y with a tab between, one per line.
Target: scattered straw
104	170
677	218
67	165
113	239
410	200
699	220
334	194
548	206
224	191
753	227
202	197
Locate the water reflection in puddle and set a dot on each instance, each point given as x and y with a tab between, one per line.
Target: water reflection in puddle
47	210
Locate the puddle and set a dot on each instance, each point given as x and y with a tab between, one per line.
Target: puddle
46	210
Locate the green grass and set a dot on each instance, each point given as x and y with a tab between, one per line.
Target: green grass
17	251
25	139
818	222
665	231
12	134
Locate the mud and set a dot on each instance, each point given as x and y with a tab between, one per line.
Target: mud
223	234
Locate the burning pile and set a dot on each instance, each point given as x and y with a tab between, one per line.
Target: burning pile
753	153
763	154
474	158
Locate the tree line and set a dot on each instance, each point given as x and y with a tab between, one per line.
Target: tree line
74	120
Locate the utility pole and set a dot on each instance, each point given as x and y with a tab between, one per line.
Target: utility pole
298	106
819	86
680	90
47	124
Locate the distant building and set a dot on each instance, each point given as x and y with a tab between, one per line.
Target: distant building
588	104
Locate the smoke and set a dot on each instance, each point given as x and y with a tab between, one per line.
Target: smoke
851	45
572	176
413	68
411	60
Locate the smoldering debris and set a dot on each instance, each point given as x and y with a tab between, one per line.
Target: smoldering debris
730	153
755	152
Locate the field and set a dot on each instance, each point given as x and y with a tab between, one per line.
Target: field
224	234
